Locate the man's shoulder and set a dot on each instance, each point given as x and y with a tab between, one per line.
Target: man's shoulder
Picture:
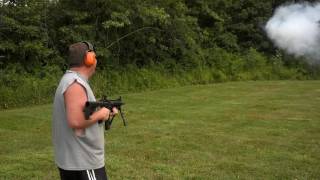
70	78
75	86
68	75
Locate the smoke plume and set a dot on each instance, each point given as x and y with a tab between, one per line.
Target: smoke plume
295	28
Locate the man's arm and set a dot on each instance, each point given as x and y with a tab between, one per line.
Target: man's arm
75	98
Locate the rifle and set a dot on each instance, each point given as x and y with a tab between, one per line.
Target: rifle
91	107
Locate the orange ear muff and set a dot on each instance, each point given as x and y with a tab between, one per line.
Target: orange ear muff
90	59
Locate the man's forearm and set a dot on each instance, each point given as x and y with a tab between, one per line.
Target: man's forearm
94	118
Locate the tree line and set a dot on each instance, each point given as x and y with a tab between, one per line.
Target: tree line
217	40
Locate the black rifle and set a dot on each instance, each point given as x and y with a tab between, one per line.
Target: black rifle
91	107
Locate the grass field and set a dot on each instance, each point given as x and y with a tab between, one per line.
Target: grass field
238	130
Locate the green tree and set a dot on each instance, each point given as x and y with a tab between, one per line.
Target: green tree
24	33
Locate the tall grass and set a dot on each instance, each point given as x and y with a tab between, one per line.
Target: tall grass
20	88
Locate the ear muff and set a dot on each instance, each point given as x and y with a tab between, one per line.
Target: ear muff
90	56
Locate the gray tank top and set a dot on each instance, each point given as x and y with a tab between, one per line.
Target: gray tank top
74	152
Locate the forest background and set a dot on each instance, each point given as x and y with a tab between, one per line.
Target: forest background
140	44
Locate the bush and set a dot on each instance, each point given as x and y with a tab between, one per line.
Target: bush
21	88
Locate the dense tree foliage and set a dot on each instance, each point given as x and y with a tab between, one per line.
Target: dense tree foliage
36	33
215	40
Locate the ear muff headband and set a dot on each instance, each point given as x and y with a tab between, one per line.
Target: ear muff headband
90	56
89	45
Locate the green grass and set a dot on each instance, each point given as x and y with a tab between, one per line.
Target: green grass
238	130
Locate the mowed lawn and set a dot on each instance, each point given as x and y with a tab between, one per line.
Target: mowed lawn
237	130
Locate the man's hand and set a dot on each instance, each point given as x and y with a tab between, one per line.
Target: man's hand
103	114
114	111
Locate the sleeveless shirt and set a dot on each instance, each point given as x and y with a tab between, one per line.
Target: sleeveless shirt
74	152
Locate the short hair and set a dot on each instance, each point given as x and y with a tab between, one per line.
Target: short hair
77	52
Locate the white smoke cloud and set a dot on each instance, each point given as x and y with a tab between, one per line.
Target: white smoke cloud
295	28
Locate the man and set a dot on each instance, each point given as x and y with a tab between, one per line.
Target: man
79	143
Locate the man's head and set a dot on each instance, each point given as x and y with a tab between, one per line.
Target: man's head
82	54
